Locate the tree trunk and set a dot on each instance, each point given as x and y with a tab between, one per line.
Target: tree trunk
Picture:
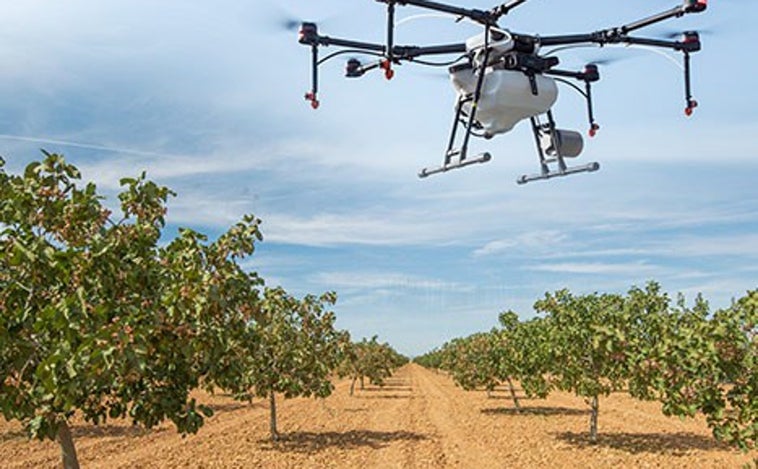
513	394
593	419
352	385
362	384
272	420
68	451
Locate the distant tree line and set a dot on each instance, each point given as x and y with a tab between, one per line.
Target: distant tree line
690	359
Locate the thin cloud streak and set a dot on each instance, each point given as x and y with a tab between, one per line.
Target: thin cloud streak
599	268
84	145
387	281
534	240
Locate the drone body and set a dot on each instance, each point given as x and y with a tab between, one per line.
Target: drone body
505	99
502	78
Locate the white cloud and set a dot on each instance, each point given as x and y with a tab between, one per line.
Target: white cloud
386	281
533	241
599	268
379	228
679	245
733	245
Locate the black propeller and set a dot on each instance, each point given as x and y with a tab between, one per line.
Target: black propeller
679	34
605	61
289	24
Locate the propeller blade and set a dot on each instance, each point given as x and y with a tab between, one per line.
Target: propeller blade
607	59
289	24
604	62
284	19
677	34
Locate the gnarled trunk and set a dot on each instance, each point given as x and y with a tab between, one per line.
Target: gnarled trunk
352	385
272	420
68	451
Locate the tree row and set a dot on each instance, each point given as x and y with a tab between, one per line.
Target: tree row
689	358
103	316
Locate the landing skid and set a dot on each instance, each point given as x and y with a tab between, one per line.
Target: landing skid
460	163
588	168
456	158
555	156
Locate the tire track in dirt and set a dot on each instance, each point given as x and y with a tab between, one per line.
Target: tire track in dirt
451	418
407	416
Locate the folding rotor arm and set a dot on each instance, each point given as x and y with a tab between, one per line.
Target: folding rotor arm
689	43
486	18
619	34
309	36
391	53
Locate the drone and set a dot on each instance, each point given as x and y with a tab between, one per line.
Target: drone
502	78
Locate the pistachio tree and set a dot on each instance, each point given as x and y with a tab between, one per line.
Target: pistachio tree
588	336
523	355
293	349
694	361
96	318
369	359
473	361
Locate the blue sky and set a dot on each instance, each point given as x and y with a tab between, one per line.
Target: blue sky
207	98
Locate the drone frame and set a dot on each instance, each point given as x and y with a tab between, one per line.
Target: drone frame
523	58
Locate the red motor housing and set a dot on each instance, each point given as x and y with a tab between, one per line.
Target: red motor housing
695	6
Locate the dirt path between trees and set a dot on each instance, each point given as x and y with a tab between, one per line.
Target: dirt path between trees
419	419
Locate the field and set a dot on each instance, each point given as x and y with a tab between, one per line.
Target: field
418	420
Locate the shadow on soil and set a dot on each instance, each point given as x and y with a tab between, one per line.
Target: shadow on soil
354	410
676	444
526	411
396	388
495	397
95	431
13	435
309	442
397	382
385	396
232	406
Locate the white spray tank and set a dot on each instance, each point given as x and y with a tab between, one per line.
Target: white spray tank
506	96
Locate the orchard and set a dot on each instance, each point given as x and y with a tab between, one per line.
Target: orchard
693	361
103	318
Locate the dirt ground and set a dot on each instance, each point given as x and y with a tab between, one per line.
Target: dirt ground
418	420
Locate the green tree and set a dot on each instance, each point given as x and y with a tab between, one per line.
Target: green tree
473	361
517	351
693	361
588	336
431	359
293	348
731	408
369	359
96	318
523	354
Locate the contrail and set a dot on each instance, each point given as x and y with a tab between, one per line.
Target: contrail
89	146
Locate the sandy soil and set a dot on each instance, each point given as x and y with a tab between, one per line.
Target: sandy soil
418	420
